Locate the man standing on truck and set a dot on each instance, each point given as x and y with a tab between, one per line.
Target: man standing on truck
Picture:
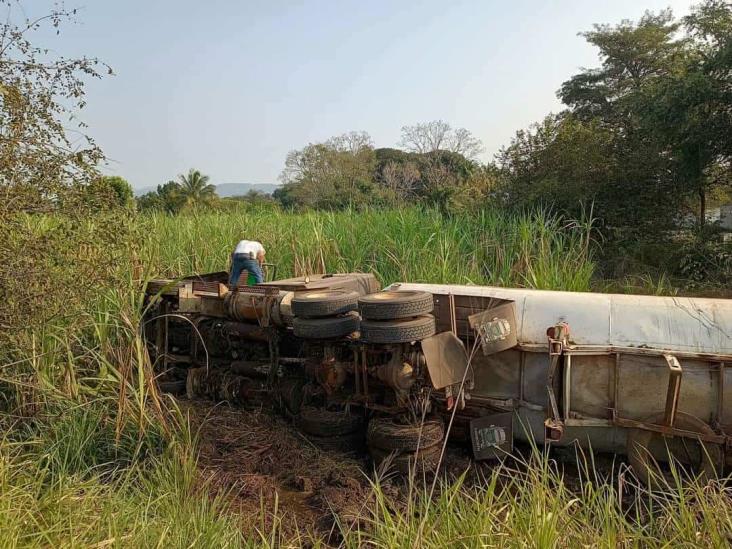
248	256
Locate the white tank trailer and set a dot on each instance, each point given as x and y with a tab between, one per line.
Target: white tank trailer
644	376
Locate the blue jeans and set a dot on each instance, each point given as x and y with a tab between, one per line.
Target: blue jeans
242	262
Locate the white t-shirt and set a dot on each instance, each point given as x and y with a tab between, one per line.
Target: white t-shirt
251	247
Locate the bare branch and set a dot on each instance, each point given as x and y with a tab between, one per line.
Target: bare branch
438	135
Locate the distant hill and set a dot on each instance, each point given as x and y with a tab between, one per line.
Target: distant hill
239	189
228	189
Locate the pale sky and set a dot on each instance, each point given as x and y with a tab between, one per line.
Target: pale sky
229	87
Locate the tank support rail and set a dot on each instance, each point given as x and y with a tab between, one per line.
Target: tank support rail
675	373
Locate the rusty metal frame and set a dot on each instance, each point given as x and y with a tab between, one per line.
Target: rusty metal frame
554	423
672	431
193	350
453	314
672	398
567	386
639	351
720	396
674	388
274	356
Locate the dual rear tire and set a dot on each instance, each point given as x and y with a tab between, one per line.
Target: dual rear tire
325	314
332	430
405	447
396	317
388	317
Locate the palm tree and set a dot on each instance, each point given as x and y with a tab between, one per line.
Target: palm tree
195	188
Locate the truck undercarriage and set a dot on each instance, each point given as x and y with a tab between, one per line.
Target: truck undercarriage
354	366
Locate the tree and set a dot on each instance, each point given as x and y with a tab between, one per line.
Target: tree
438	135
567	163
121	189
39	96
194	188
331	175
351	142
633	55
400	179
61	240
692	108
166	198
666	98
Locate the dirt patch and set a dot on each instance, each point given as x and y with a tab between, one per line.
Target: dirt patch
263	464
274	477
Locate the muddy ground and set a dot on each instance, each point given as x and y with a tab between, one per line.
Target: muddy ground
261	463
259	460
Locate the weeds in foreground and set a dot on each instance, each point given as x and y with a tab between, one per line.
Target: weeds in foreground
92	456
529	503
57	487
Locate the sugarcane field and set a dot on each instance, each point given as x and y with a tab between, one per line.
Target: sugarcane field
498	313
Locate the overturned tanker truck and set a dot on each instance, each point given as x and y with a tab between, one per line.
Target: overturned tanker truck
353	366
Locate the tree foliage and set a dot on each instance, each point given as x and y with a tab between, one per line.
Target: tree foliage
347	171
121	190
331	175
191	190
438	135
194	188
39	94
62	228
646	134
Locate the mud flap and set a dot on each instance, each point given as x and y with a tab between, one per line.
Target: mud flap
492	436
446	359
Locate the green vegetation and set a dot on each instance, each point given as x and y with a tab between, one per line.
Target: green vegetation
643	141
644	137
532	506
189	191
90	455
534	250
93	455
121	188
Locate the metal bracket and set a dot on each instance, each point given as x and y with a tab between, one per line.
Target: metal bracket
558	335
674	388
274	356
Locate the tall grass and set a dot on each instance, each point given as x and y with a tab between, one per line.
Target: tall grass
68	484
529	504
93	457
535	249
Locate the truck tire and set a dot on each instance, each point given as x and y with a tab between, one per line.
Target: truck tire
398	331
386	434
320	303
290	391
425	460
325	328
324	423
643	444
177	387
392	305
350	443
